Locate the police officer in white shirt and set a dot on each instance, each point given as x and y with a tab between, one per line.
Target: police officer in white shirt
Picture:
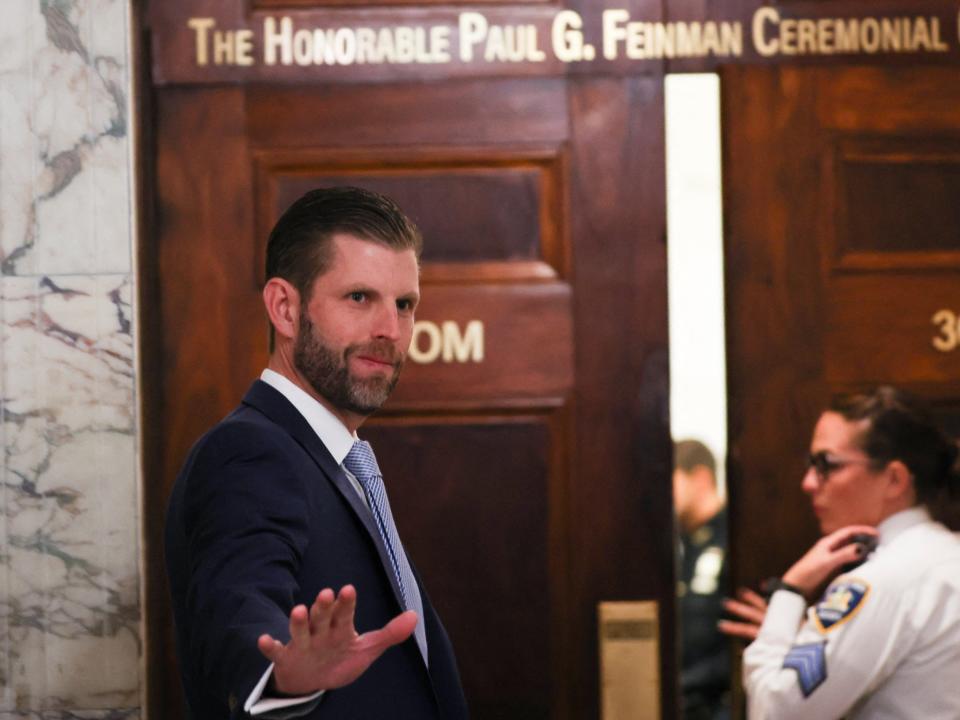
883	640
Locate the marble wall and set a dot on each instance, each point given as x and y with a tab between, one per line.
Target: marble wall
70	636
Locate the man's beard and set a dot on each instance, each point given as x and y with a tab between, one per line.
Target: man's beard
328	371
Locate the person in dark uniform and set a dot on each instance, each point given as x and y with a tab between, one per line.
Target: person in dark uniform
702	519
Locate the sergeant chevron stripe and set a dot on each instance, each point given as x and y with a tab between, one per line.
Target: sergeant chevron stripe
810	662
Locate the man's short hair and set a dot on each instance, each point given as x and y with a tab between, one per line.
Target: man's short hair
299	246
690	454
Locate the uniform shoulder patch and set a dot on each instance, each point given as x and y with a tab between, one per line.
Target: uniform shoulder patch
840	603
810	663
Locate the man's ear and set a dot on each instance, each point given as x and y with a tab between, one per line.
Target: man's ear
900	479
282	302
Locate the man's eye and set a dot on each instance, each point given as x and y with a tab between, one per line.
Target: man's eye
404	305
358	296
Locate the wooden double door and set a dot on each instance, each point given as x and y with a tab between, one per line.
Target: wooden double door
842	213
526	447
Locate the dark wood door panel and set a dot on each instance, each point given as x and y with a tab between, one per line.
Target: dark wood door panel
488	213
832	178
621	545
214	334
526	336
887	328
480	502
774	315
888	100
475	112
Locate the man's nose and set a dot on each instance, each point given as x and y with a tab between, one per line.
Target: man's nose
387	324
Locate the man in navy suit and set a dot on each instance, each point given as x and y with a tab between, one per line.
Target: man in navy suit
280	503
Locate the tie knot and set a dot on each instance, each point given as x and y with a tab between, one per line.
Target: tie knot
362	462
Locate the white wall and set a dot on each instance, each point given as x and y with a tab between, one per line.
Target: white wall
698	393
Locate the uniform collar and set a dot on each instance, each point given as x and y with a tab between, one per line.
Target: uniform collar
899	522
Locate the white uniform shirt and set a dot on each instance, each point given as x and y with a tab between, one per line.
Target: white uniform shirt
883	642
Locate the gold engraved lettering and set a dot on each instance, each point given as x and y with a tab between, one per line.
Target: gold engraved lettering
432	342
773	35
711	39
613	31
825	40
949	337
244	47
277	41
848	35
227	47
473	29
892	35
788	37
222	48
440	43
200	26
807	37
402	44
567	37
761	18
463	348
655	40
870	35
512	43
500	43
731	37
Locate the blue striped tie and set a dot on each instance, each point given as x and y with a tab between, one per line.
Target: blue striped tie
361	462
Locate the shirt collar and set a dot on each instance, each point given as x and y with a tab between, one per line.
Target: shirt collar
897	523
332	433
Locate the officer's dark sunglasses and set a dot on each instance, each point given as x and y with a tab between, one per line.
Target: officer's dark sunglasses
824	464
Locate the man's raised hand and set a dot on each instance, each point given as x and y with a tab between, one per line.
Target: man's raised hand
325	651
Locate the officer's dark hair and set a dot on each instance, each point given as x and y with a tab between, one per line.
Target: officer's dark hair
901	428
689	454
299	246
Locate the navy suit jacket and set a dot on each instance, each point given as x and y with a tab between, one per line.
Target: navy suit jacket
261	519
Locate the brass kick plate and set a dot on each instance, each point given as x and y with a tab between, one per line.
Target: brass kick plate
629	660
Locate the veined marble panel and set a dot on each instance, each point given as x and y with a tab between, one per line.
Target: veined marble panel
65	178
69	612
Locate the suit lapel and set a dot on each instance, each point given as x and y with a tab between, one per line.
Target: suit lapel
275	406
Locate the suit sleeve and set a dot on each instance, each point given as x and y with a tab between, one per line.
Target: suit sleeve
847	644
245	521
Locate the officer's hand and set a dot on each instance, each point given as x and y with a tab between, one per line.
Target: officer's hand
827	557
325	651
750	610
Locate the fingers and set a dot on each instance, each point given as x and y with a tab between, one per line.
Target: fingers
744	611
300	626
844	535
394	632
344	609
753	598
321	610
850	553
740	630
270	648
328	612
